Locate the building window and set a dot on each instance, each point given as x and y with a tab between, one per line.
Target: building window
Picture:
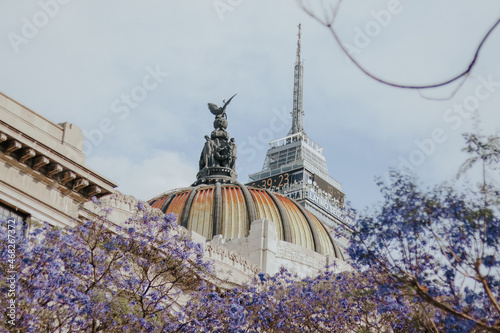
7	212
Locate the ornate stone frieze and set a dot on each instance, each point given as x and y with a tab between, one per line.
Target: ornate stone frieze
124	199
233	258
286	251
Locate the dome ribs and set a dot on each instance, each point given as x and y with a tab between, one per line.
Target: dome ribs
167	203
301	230
324	238
187	208
314	230
158	202
201	214
267	208
235	216
336	249
176	205
287	227
217	224
252	215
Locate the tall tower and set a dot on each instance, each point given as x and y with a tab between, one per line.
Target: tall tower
296	167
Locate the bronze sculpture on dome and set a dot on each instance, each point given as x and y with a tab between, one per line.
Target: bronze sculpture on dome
218	157
220	112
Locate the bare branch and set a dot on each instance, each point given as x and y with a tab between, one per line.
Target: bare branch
450	96
329	24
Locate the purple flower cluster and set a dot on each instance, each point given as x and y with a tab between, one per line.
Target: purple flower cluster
330	302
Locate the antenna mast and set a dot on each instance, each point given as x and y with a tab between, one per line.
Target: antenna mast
297	112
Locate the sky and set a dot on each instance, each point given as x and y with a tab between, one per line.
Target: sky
136	77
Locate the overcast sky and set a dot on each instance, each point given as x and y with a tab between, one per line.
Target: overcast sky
136	77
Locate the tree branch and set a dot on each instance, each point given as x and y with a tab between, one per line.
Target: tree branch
328	23
422	293
487	289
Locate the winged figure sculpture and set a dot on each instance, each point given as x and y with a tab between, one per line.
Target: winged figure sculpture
219	112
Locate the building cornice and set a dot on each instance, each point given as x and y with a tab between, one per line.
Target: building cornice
48	152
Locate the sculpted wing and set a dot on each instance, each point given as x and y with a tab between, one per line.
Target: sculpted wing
217	110
214	109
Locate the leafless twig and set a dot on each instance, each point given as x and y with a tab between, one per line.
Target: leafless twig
328	22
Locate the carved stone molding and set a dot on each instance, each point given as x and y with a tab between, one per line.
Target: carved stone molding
39	162
54	169
12	146
79	184
234	257
26	154
67	176
93	190
157	211
183	231
125	199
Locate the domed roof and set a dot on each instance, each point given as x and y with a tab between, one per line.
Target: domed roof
227	208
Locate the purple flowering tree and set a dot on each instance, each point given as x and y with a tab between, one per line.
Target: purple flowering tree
440	247
98	277
329	302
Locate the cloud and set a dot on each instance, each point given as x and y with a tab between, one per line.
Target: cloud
160	172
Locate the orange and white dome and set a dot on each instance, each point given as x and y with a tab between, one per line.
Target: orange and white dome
227	208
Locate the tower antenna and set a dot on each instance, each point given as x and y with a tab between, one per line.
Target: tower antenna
297	112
